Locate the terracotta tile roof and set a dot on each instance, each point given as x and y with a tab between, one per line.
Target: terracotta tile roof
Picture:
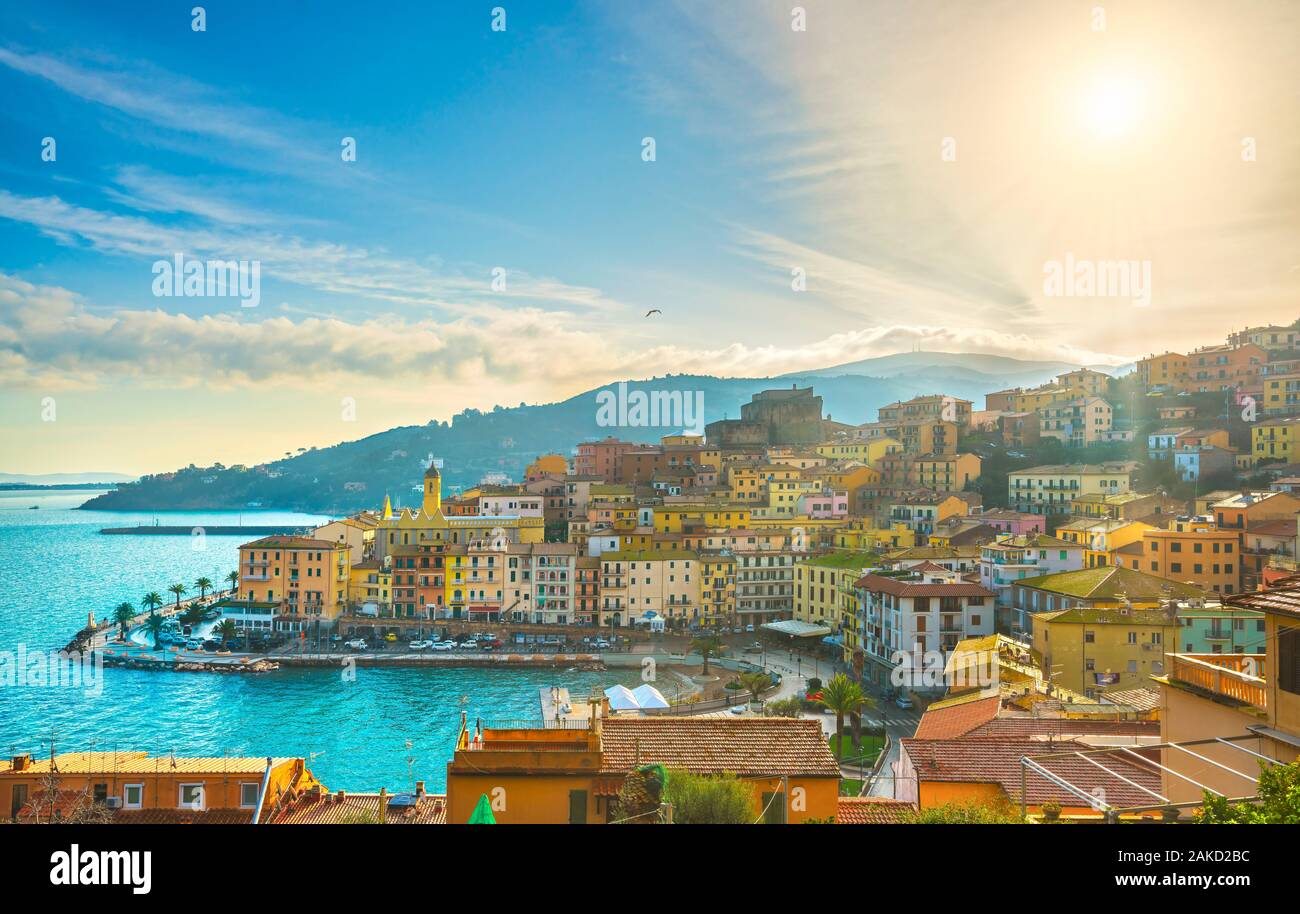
872	811
747	746
957	720
336	809
135	762
880	584
1141	699
183	817
1060	728
1281	600
997	761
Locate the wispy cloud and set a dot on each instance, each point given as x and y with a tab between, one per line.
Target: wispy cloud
324	266
50	338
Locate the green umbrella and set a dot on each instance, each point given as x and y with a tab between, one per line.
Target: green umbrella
482	814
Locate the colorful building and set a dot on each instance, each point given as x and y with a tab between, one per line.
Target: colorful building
306	578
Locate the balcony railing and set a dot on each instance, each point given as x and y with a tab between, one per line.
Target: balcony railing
1237	676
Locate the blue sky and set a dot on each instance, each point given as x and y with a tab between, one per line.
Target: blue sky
776	149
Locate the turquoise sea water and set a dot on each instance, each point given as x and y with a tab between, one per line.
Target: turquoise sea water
55	567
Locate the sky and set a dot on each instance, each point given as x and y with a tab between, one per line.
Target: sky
446	214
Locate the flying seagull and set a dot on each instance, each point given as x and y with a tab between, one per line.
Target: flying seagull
653	311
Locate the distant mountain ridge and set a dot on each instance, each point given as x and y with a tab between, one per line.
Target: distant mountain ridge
64	479
357	474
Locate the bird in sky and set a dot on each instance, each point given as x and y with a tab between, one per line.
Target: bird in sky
653	311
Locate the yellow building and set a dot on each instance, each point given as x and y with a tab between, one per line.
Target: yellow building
1102	538
370	582
675	518
1031	401
547	465
823	591
1098	650
717	590
1092	383
1281	394
1052	489
874	539
1168	370
307	579
1275	439
866	451
943	472
747	484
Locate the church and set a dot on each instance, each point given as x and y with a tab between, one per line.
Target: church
427	525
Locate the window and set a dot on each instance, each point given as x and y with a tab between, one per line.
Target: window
133	796
248	794
191	796
1288	659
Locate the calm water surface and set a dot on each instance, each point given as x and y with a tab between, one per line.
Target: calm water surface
386	728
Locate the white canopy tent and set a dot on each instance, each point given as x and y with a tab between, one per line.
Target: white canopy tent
621	698
647	696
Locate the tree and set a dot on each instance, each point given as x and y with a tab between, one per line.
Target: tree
698	799
124	613
785	707
843	696
756	683
233	578
155	626
1278	801
225	630
151	601
204	585
966	814
707	646
178	590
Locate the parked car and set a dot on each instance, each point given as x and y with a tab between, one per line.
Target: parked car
421	645
737	709
903	702
193	644
390	637
443	646
601	644
749	628
356	644
755	648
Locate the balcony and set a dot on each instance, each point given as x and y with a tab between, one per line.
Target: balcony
1236	676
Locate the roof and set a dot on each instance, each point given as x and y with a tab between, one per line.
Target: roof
1042	729
796	628
997	761
957	719
293	542
340	808
842	558
872	811
1140	699
1283	600
704	745
1111	582
880	584
136	762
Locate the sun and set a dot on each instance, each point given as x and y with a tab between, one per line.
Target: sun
1112	105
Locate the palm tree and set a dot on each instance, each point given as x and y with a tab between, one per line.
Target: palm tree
707	646
233	578
203	584
225	630
151	600
124	613
178	590
843	696
155	625
756	683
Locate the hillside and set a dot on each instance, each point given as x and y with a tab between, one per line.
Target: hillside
357	474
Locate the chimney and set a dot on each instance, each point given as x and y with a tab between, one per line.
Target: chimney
22	762
383	805
419	789
340	796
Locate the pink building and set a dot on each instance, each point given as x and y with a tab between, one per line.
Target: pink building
824	505
1014	522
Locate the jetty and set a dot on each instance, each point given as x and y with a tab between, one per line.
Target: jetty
152	530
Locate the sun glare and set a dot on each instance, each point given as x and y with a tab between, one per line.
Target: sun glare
1112	106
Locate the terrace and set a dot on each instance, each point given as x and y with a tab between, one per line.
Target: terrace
1239	677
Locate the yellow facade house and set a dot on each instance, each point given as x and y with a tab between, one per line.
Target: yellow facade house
639	585
1276	439
306	578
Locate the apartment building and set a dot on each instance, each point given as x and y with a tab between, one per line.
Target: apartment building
1052	489
640	586
307	578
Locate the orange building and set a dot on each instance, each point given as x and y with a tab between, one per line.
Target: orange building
131	787
571	771
546	465
1224	368
1168	370
307	578
1193	550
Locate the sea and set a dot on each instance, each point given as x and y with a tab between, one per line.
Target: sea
383	728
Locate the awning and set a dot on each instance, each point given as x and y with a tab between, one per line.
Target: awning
832	639
797	629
